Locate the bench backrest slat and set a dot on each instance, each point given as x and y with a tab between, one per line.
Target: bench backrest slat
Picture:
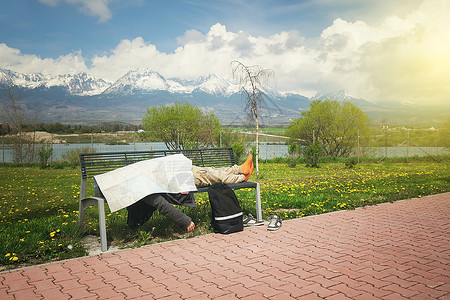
97	163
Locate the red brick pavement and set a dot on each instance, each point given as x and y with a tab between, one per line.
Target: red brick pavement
397	250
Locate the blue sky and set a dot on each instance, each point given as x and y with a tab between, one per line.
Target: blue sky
313	46
55	27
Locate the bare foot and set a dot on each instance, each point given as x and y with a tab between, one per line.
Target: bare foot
247	176
247	166
190	227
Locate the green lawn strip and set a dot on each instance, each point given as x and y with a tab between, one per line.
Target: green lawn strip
39	207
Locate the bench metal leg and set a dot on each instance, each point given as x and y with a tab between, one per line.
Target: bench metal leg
258	203
100	202
102	224
81	209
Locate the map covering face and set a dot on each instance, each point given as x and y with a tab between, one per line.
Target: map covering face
127	185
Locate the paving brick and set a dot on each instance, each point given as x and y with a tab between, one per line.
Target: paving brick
212	290
325	282
55	294
108	292
239	290
310	296
35	274
11	276
229	296
26	294
346	290
266	290
401	282
158	291
55	268
71	284
366	296
373	281
79	293
119	284
45	284
254	296
400	290
423	296
96	284
18	285
293	290
443	287
423	289
338	296
395	296
75	266
199	297
62	276
133	292
185	290
320	290
197	282
4	294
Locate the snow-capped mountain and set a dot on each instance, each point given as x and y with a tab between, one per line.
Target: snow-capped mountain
214	84
144	81
337	95
138	81
82	97
80	84
342	96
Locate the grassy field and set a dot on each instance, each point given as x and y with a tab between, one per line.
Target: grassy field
39	207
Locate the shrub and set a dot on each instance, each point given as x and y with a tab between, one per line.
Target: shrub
312	154
350	162
293	150
44	153
73	155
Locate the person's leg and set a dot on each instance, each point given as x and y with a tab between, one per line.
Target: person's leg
169	211
204	176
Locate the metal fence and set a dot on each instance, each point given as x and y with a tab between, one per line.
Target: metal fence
270	147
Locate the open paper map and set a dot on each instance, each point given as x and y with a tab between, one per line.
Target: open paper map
127	185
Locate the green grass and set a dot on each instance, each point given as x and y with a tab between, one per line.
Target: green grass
39	207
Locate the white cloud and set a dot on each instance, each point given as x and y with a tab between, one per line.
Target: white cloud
96	8
13	59
401	59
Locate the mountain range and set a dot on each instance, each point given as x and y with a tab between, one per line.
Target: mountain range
82	98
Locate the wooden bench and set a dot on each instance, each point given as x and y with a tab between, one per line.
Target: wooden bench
98	163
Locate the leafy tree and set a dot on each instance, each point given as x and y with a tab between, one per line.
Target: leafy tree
333	125
182	126
251	79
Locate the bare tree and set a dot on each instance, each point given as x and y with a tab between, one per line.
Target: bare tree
251	79
23	144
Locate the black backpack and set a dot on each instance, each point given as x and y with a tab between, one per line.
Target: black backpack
226	211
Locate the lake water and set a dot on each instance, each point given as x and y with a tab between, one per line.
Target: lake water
267	151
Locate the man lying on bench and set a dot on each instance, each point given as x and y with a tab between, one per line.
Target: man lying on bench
141	211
